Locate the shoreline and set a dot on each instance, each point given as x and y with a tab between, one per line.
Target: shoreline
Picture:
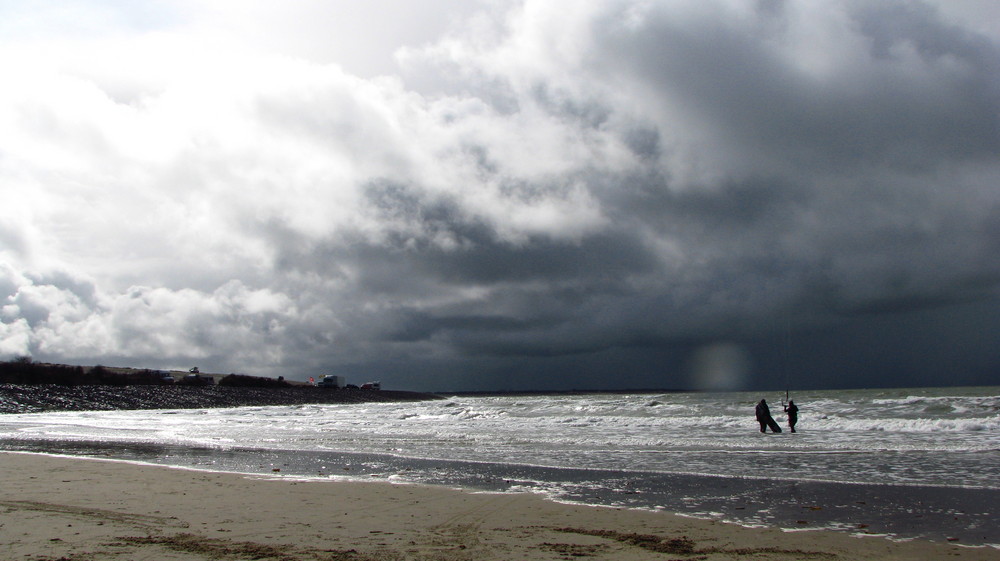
58	506
24	398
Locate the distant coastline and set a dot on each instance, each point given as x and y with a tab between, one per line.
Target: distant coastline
22	398
31	387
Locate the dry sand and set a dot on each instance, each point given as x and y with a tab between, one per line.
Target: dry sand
54	508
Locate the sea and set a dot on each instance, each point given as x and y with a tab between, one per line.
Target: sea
895	463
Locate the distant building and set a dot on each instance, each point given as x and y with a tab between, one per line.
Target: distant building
332	382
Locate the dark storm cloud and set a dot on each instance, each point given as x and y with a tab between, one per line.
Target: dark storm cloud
833	206
901	86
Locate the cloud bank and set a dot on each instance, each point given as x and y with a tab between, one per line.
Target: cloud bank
544	196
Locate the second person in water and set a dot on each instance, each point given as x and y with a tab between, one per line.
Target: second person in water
793	414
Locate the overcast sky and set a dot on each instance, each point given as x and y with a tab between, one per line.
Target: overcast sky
504	194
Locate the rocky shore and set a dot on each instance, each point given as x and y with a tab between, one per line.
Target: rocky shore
17	398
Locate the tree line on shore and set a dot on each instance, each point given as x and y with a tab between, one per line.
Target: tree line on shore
23	370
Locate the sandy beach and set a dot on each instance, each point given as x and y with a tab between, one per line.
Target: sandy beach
56	508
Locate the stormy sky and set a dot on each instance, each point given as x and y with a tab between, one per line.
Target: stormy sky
506	194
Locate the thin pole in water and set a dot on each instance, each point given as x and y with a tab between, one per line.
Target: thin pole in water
787	347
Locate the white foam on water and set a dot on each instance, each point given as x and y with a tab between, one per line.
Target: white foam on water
921	437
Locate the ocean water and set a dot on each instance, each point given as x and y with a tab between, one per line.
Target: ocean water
902	462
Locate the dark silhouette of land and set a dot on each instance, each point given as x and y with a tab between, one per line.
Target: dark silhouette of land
29	387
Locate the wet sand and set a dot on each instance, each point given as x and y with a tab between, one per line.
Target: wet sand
83	510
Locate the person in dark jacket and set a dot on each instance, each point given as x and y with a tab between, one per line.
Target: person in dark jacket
764	417
793	414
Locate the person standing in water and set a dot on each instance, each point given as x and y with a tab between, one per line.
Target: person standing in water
793	414
764	417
